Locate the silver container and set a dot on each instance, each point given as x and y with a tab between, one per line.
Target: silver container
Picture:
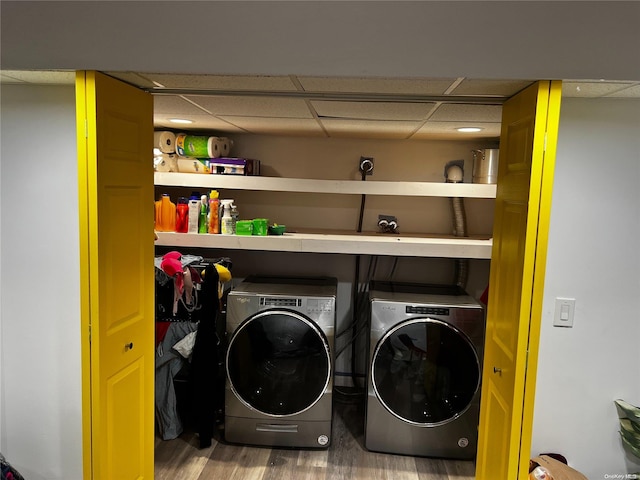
485	165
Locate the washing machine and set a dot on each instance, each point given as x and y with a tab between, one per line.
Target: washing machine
424	371
280	361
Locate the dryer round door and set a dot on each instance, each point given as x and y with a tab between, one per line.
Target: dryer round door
425	372
278	362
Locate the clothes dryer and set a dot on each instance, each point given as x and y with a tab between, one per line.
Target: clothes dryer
280	361
425	359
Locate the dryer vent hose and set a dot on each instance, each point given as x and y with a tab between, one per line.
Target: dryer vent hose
454	174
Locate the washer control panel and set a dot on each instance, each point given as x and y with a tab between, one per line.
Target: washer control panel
422	310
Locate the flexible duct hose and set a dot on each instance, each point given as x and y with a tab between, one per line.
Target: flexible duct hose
453	174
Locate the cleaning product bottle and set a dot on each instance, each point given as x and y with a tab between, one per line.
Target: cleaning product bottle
235	215
214	218
226	224
182	215
165	214
194	214
204	210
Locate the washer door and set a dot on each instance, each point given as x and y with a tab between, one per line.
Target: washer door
425	372
278	362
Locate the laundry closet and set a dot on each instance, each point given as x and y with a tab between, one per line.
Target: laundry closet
312	184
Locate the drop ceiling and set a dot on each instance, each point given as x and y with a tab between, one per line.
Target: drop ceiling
392	108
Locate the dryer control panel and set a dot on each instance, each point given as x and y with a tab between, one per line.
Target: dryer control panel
280	302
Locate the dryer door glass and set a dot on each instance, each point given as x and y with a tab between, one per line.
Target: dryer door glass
278	362
425	371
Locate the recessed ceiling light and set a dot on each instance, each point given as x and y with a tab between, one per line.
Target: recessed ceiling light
469	129
180	120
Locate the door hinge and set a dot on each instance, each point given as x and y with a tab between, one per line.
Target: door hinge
89	333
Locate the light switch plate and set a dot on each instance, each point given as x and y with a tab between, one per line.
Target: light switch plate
565	308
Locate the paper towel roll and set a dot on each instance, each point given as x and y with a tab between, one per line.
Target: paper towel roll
226	146
165	141
192	145
167	162
219	147
193	165
215	147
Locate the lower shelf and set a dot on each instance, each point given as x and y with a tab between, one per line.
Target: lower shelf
368	243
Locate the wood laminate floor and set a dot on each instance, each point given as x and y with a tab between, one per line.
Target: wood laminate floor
346	458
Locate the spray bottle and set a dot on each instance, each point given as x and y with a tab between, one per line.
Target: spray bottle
227	221
202	218
235	216
214	204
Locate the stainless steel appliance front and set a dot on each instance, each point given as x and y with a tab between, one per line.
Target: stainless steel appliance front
280	362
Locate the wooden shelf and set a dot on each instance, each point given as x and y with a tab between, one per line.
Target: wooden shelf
417	245
348	187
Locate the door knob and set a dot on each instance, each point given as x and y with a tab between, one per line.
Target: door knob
497	370
128	346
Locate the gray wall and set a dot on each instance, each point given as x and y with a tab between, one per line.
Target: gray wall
41	412
488	39
593	257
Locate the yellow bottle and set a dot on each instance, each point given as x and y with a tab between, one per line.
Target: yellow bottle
214	204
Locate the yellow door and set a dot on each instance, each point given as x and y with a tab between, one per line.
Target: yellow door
115	141
525	178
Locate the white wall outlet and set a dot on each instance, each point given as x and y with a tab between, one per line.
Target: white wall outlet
565	308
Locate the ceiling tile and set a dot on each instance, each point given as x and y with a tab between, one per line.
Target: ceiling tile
253	106
373	110
628	92
39	77
592	89
467	113
175	105
223	82
9	79
377	85
277	126
447	130
501	88
368	128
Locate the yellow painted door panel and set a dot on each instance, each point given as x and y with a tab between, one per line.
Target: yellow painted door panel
525	175
115	141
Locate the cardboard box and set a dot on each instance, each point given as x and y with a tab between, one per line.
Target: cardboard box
235	166
558	470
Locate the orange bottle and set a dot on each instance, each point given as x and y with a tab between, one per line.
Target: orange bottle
214	214
165	214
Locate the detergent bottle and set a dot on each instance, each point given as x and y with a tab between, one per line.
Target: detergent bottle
165	214
194	214
182	215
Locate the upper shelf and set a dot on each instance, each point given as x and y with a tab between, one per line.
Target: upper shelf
349	187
